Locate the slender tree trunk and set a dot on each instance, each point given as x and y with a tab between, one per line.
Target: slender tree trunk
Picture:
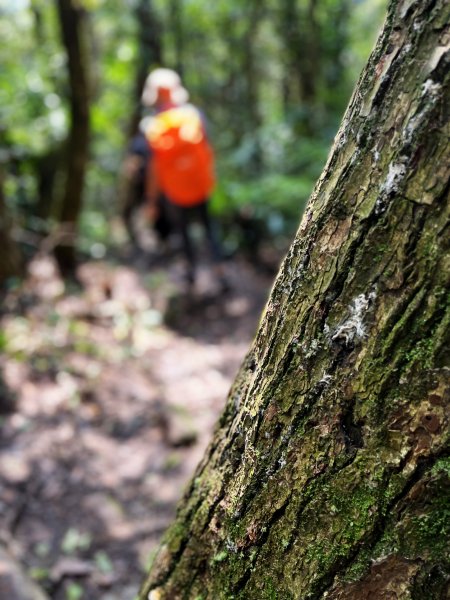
71	17
302	39
308	55
240	29
38	23
335	72
327	476
47	168
250	105
150	52
10	259
177	30
291	35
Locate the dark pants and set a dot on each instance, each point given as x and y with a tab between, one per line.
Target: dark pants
182	216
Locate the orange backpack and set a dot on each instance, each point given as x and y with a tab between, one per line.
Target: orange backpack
183	158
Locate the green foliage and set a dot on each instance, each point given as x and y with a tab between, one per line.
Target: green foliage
75	540
278	200
241	66
103	562
74	591
31	107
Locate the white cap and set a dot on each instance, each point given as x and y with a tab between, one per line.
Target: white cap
164	79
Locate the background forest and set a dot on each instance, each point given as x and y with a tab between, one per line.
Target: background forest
273	78
109	390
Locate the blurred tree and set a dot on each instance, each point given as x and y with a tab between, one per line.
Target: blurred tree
328	472
30	105
10	259
72	17
240	26
336	45
177	28
236	57
301	35
150	52
252	73
47	167
315	81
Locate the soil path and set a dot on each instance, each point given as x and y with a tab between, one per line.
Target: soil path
117	387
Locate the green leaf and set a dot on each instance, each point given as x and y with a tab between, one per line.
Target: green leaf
75	540
103	562
74	591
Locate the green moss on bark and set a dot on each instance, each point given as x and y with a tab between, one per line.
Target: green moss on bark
325	478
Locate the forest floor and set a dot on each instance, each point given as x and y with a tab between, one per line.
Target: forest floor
117	385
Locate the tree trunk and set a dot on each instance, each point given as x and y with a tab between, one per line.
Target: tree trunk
326	476
308	55
150	52
240	29
335	85
302	39
71	17
250	104
10	259
177	30
47	168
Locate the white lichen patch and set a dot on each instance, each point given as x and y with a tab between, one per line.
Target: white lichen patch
412	127
313	347
431	88
287	434
237	401
326	378
353	328
380	206
396	172
341	138
269	472
231	546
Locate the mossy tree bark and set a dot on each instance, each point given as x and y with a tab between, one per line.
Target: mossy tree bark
72	17
327	475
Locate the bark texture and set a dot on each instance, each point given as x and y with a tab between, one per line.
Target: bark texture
327	476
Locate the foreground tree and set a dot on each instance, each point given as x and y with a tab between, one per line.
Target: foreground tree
328	472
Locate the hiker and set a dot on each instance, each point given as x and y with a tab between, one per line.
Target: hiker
134	171
182	164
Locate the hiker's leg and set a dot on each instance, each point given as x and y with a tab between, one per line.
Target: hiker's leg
132	204
163	224
211	232
127	214
181	219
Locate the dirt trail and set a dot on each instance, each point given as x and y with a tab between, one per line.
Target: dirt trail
117	387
